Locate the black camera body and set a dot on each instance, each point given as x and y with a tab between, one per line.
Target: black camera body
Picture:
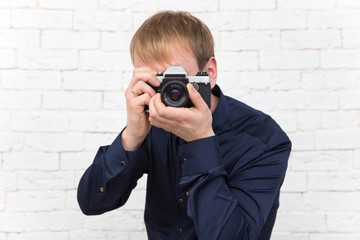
173	89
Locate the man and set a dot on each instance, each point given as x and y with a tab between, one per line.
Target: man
212	173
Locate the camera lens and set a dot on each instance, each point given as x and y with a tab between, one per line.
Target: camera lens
174	94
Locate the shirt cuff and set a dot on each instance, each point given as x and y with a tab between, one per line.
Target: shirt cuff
118	159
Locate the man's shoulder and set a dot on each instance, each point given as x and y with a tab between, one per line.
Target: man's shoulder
246	119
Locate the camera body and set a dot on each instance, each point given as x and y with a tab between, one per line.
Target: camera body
173	89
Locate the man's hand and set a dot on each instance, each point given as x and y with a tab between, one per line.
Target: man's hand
138	94
187	123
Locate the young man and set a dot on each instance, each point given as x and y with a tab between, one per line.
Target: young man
212	173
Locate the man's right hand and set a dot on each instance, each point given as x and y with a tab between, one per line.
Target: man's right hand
138	94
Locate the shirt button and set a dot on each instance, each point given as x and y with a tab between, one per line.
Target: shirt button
123	163
187	194
101	189
181	200
180	229
184	160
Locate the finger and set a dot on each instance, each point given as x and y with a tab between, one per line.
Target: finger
196	98
141	88
145	75
166	112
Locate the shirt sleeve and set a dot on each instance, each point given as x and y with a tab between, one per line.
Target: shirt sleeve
232	203
108	182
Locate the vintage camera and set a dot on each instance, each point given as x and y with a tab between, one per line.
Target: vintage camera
173	89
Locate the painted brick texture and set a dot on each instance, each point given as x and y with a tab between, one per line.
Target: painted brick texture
64	66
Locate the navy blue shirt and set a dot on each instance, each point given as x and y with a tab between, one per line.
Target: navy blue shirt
222	187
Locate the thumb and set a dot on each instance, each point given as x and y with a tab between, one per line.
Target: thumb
196	98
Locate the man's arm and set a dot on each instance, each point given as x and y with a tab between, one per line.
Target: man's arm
108	182
233	206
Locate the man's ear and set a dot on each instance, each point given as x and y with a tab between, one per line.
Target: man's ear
211	69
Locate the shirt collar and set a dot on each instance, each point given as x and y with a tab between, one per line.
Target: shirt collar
220	115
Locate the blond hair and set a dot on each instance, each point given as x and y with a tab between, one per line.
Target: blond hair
155	37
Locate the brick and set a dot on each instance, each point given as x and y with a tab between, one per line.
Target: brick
330	79
205	5
356	160
2	203
135	5
70	39
4	120
343	222
20	100
348	99
82	80
334	236
301	222
295	182
250	40
11	222
228	61
72	100
337	59
337	139
302	141
68	4
270	80
77	161
105	61
331	160
307	4
114	101
313	120
110	122
280	19
30	161
8	181
38	236
311	39
31	80
291	202
94	140
136	201
348	4
225	21
306	100
247	4
102	20
334	181
329	201
14	38
288	235
260	100
116	41
64	221
49	180
96	235
286	120
290	59
351	38
41	19
54	142
334	19
5	18
17	3
7	59
71	200
10	141
28	201
47	59
39	122
138	235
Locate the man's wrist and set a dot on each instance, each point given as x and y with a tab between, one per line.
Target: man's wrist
131	142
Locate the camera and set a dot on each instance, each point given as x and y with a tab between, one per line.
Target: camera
173	89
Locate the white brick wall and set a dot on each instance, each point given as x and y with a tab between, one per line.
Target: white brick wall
64	66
